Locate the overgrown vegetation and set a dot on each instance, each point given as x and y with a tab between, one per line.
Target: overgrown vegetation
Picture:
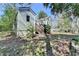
64	23
47	28
9	19
6	22
76	39
39	52
30	31
42	14
71	9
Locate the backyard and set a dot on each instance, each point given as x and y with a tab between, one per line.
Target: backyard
46	31
17	46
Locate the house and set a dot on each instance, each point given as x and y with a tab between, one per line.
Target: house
26	16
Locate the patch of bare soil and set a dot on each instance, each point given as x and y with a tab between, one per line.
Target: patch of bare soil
11	41
11	46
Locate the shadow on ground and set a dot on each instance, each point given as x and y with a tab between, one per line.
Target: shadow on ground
11	46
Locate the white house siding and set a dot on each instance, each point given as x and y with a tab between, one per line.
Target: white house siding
22	23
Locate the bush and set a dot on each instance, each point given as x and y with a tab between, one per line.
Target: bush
76	39
30	31
47	28
39	52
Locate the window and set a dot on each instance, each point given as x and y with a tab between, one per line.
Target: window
28	18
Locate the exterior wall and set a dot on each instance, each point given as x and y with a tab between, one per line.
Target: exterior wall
22	23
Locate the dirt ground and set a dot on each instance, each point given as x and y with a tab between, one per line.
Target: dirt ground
11	46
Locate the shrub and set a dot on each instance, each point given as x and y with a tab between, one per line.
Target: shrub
76	39
39	52
47	28
30	31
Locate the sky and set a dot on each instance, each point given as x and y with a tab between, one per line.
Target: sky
1	9
36	7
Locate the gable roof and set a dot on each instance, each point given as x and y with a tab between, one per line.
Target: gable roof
26	9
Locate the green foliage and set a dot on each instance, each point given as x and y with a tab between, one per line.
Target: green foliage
30	31
47	28
39	52
64	23
57	7
6	22
75	8
60	7
76	39
69	9
42	14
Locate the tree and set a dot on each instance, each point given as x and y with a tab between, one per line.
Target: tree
42	14
69	8
11	13
5	24
43	17
7	19
64	23
14	7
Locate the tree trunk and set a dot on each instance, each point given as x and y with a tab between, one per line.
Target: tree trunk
15	25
